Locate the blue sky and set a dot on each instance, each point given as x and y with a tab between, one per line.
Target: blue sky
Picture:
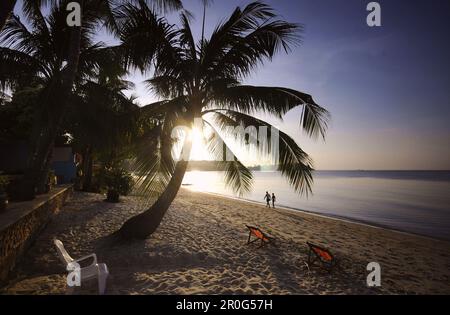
387	88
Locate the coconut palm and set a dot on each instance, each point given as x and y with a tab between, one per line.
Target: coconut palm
44	51
204	80
102	96
51	54
6	8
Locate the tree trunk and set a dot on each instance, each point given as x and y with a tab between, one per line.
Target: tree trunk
57	104
144	224
87	168
43	180
6	8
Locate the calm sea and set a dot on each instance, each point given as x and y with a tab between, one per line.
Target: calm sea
410	201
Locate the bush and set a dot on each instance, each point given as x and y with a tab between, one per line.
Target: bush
52	180
117	182
4	182
20	189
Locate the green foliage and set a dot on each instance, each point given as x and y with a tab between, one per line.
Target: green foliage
116	179
204	79
16	116
52	178
4	182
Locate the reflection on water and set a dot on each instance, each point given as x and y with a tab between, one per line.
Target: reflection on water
417	202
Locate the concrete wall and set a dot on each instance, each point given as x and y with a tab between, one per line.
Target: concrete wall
22	222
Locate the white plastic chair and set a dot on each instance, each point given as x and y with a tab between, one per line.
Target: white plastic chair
94	270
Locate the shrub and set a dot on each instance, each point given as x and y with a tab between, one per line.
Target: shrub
4	182
117	182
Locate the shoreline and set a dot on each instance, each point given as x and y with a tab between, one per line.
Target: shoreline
327	216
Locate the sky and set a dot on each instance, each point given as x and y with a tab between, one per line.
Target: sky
387	88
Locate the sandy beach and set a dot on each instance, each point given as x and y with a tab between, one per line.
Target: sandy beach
200	248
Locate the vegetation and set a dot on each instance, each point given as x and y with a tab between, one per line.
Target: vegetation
6	7
3	195
16	115
204	79
65	82
116	181
111	136
54	57
46	55
4	182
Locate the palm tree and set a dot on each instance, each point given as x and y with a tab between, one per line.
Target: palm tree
204	80
6	8
102	96
51	52
47	54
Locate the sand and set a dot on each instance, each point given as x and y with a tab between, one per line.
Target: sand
200	248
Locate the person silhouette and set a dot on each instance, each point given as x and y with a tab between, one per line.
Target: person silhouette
273	200
267	198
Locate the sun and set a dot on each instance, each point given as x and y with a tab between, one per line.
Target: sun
196	135
198	151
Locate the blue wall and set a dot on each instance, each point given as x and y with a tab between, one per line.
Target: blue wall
65	171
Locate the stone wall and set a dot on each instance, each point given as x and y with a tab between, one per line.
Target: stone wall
22	222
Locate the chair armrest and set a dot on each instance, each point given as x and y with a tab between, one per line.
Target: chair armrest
94	256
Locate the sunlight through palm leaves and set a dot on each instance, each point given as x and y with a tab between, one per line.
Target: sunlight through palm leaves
200	79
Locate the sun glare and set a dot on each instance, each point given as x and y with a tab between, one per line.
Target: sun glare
198	151
196	135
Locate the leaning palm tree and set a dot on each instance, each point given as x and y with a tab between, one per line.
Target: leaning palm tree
204	80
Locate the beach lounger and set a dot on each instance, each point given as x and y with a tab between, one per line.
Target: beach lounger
259	236
92	271
323	255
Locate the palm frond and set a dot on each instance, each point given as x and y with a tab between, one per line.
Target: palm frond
236	175
276	101
145	36
240	21
17	36
248	51
166	86
153	164
187	39
177	105
163	6
32	10
16	67
292	161
245	39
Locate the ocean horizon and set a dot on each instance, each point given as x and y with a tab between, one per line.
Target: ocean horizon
415	201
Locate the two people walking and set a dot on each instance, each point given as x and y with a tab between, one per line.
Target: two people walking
269	198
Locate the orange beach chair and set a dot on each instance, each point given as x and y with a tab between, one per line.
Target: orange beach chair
259	236
323	255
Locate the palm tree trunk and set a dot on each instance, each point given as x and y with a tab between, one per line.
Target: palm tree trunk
41	148
44	178
87	168
38	165
6	8
144	224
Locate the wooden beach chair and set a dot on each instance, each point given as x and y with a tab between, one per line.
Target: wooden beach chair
259	236
92	271
321	254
